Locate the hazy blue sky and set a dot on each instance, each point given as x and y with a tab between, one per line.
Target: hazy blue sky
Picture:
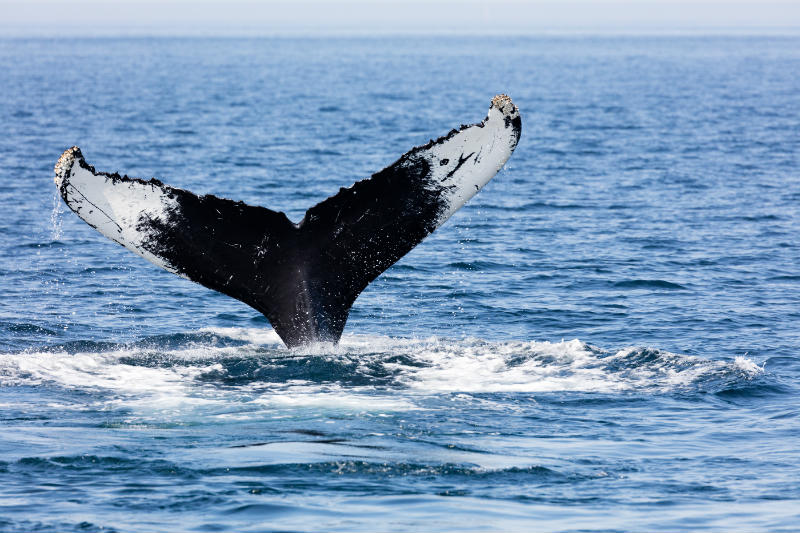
237	17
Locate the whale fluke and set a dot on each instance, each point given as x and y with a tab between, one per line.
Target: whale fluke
303	277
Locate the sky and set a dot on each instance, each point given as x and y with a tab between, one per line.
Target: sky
392	17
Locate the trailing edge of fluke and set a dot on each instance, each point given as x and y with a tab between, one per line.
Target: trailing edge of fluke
303	277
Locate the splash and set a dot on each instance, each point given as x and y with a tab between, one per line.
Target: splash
219	363
747	365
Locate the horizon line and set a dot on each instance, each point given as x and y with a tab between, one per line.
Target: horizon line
48	33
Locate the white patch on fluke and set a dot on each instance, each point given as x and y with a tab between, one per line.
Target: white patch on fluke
114	207
466	161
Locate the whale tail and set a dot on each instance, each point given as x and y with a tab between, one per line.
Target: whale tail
303	277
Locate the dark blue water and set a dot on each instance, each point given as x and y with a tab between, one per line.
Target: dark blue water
606	338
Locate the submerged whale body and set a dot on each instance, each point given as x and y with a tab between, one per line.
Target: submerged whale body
303	277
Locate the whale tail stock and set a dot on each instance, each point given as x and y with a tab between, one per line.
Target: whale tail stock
303	277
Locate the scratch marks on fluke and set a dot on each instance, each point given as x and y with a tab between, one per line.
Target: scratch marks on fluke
303	277
461	160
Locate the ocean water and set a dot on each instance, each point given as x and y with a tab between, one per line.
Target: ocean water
604	339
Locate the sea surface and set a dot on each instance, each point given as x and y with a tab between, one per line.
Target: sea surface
606	338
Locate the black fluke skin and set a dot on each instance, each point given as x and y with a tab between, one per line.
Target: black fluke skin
303	277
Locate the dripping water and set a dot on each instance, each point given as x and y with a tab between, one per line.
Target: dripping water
56	217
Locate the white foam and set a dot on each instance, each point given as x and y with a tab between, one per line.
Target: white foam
250	335
177	389
333	398
187	381
96	371
747	365
473	365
